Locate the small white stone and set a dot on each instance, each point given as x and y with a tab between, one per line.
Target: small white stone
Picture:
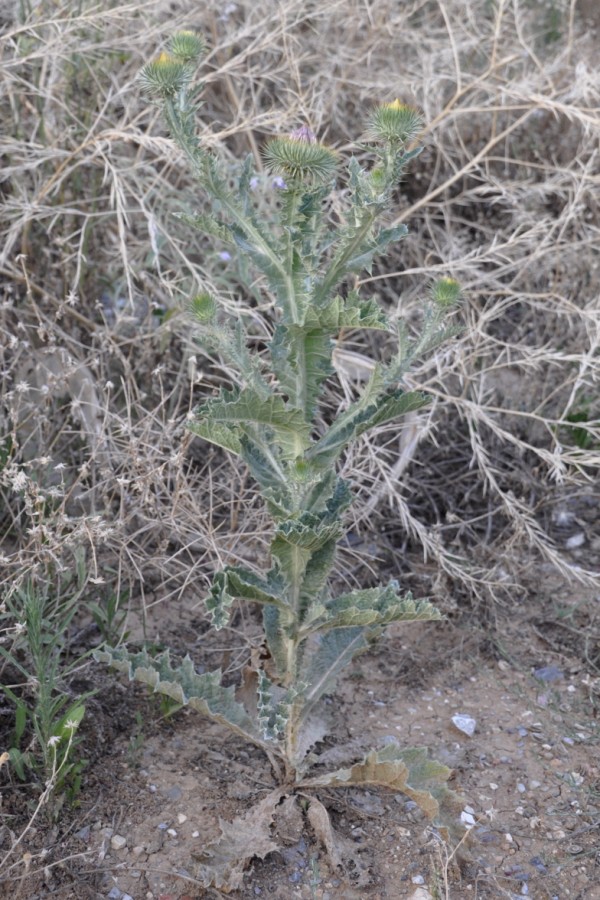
418	879
117	842
493	786
195	834
465	724
467	819
181	818
172	832
521	787
576	540
421	893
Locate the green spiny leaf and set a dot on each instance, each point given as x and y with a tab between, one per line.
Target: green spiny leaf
374	407
202	692
217	433
301	358
246	409
244	584
209	224
219	601
374	607
323	657
276	638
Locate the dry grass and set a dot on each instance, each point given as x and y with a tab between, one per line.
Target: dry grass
98	369
99	372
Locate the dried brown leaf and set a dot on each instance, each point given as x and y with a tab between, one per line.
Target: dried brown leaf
289	822
340	850
224	861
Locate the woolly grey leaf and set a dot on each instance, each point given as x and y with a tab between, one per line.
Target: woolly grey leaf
202	692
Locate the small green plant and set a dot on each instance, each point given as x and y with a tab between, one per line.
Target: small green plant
136	742
273	423
110	615
44	741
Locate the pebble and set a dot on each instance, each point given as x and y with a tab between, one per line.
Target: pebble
418	879
114	894
84	833
537	863
117	842
548	674
174	793
137	851
465	724
181	818
421	894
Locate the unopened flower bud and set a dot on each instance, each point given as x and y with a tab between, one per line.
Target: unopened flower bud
300	157
203	308
187	46
165	76
445	292
396	122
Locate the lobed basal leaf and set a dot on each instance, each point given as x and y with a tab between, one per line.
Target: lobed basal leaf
409	771
204	692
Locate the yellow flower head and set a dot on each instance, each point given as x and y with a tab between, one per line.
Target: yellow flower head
396	104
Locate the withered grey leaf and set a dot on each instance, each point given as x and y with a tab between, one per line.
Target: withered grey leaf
341	851
289	822
223	862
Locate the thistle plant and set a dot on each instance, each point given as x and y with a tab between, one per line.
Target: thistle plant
272	423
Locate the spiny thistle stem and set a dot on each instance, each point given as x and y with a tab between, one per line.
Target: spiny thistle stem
272	423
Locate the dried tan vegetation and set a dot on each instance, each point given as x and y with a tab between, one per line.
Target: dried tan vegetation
98	369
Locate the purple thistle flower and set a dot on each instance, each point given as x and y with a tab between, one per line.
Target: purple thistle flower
279	183
304	133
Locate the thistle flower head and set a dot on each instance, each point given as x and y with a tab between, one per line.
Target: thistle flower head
396	122
187	46
203	308
300	157
165	76
445	292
